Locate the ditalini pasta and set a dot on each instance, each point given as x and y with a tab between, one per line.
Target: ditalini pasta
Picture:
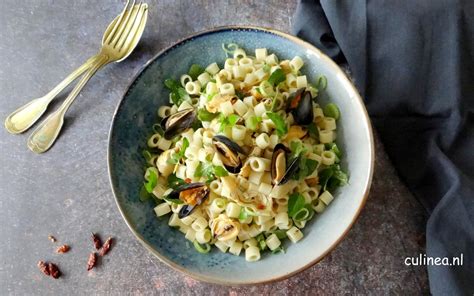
245	155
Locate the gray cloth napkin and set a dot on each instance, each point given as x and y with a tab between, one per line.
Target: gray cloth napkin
412	60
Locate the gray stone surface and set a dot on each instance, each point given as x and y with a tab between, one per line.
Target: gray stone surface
66	191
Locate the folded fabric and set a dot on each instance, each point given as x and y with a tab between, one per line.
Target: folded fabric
412	60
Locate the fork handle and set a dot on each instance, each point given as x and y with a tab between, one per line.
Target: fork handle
46	133
25	116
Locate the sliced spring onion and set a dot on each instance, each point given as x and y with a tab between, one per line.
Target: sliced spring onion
229	48
147	155
266	89
331	110
280	124
281	234
301	215
279	250
204	248
252	122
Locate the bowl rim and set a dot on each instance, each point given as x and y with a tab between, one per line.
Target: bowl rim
332	65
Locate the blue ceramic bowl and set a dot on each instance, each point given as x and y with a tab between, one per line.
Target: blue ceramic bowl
133	122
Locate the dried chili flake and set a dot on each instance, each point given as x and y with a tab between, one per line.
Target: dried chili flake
54	270
96	240
43	267
106	247
63	249
91	261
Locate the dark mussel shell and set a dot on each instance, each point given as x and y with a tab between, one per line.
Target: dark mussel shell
300	104
177	123
282	174
192	195
229	153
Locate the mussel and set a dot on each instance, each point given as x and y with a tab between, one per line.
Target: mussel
229	153
192	195
281	168
177	123
300	103
224	229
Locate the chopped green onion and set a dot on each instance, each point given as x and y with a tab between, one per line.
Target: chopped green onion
229	48
173	200
278	251
205	248
266	89
333	147
280	124
301	215
205	115
227	121
172	84
157	129
195	70
281	234
252	122
331	110
322	82
266	68
147	155
276	77
152	179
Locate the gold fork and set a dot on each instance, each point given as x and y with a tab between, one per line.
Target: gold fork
24	117
119	43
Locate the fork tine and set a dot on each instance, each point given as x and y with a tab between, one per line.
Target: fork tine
117	24
138	30
129	27
133	28
123	24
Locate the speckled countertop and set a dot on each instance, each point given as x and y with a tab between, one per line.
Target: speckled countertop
66	191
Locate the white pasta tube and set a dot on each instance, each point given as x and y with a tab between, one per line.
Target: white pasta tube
252	242
265	188
162	209
259	220
282	221
260	109
318	206
212	69
185	79
193	87
164	111
204	78
153	140
238	72
199	224
226	108
246	64
296	63
191	166
326	136
252	254
229	64
273	242
329	123
238	132
232	210
262	141
203	236
240	107
190	235
326	197
218	205
328	157
261	54
222	246
239	53
250	101
251	79
291	80
188	220
216	186
260	74
274	140
254	230
211	88
294	234
235	248
301	81
259	164
164	144
272	60
227	89
174	221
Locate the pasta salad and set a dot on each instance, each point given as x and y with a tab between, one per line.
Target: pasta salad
244	156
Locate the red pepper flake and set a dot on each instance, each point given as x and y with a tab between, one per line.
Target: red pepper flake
106	247
91	261
96	240
43	267
261	207
188	180
63	249
54	270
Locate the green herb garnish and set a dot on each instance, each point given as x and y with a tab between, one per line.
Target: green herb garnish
276	77
252	122
152	181
295	204
176	157
227	121
195	70
280	124
204	248
174	181
178	93
204	115
210	171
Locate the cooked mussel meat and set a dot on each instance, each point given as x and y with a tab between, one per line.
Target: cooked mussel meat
228	152
300	104
192	195
178	122
282	169
224	229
